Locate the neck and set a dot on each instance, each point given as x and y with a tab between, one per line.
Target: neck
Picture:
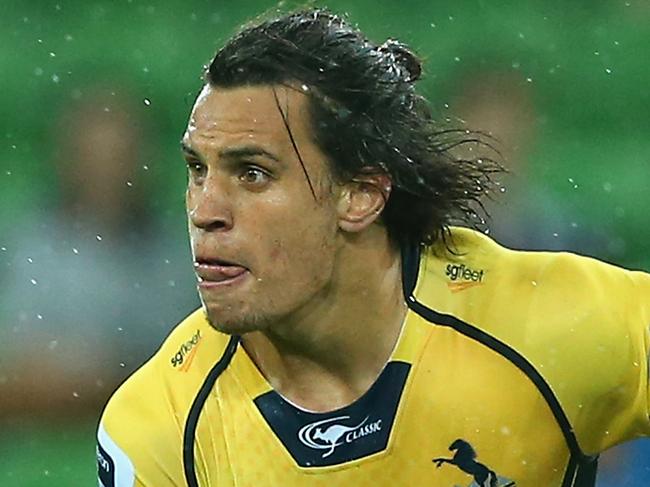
330	353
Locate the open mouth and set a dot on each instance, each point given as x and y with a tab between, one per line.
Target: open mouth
211	272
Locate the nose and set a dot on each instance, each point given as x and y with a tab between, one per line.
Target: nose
209	207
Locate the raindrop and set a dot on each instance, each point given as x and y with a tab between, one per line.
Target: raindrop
75	394
33	281
68	37
597	53
167	261
305	87
39	316
75	251
4	249
607	187
534	283
608	71
99	238
122	364
119	328
145	69
38	71
529	80
147	101
129	184
55	78
432	25
555	234
53	344
52	54
171	283
456	58
145	167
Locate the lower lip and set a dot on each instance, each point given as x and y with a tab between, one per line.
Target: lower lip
233	281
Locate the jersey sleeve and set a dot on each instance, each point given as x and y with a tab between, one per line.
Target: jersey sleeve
138	445
604	351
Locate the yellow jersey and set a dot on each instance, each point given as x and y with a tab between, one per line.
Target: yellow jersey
512	369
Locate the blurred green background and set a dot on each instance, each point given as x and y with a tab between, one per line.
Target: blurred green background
581	67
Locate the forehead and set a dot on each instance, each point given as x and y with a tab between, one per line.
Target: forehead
249	112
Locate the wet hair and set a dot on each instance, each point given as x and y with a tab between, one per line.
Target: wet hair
366	117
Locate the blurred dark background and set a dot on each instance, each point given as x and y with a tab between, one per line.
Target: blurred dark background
94	262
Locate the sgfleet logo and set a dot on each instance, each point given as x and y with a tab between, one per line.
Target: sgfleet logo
463	277
186	352
328	434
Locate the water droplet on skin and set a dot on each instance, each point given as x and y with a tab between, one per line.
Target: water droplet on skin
147	101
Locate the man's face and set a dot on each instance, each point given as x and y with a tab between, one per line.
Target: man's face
264	247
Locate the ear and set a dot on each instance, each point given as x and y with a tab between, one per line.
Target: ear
362	200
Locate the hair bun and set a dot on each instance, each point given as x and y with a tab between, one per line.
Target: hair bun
404	57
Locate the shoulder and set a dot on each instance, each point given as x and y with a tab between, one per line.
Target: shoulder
145	418
581	323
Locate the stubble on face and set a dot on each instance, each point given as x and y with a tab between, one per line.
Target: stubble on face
285	236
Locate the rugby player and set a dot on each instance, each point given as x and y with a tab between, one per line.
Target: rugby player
350	334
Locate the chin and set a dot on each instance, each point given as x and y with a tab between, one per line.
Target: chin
235	324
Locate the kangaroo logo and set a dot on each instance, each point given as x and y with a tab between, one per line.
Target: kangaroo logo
327	434
465	459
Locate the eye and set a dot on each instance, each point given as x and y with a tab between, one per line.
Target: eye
195	167
253	175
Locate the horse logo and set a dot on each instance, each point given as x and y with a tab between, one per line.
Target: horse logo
465	459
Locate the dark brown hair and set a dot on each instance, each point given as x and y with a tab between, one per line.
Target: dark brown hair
366	115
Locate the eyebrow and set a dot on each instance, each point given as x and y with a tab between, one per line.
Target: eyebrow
235	152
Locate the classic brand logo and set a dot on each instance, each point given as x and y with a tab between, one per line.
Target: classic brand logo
463	277
183	358
327	434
